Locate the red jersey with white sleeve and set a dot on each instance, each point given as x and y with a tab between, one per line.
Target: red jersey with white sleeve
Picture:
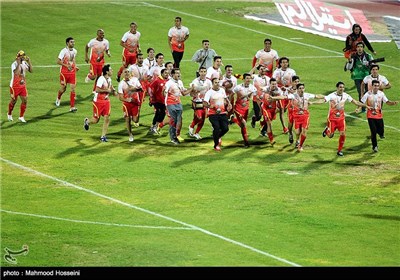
200	87
216	100
267	59
103	83
68	56
177	37
131	42
270	105
260	83
375	101
284	77
300	103
97	50
157	90
336	105
225	81
174	90
123	88
243	95
18	80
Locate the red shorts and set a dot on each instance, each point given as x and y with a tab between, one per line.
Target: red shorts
242	114
69	78
339	124
302	121
200	114
96	69
128	58
282	103
18	91
290	115
130	109
269	114
101	108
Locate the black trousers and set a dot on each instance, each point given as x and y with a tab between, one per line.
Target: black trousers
177	56
159	115
376	126
220	126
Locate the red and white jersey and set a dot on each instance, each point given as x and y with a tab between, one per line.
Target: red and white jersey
368	81
284	77
131	41
216	100
260	83
173	90
139	72
97	49
375	101
213	73
68	56
157	90
300	103
267	59
200	87
177	35
103	83
155	71
223	83
18	81
336	104
244	95
123	88
266	104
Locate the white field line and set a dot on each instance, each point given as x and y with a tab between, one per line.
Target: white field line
248	29
91	222
148	212
187	60
360	119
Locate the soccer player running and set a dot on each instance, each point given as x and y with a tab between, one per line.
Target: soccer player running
266	57
98	46
260	81
283	75
229	82
292	89
244	93
157	100
101	102
66	59
218	106
129	93
19	67
199	87
177	35
374	99
131	47
336	117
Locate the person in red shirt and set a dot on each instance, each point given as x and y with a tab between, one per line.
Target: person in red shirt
19	67
66	59
157	100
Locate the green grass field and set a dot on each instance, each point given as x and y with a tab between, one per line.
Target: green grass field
78	202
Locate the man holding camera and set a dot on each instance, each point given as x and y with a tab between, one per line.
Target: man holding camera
205	56
19	67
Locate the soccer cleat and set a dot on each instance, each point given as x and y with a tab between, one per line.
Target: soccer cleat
324	132
231	119
285	130
297	144
191	134
340	153
220	142
217	148
154	131
73	109
291	138
299	148
175	141
21	119
131	138
10	118
87	79
86	124
103	139
382	136
272	142
197	136
375	149
246	145
179	138
118	78
58	101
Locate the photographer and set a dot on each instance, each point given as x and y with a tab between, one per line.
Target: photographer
205	56
358	64
19	67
